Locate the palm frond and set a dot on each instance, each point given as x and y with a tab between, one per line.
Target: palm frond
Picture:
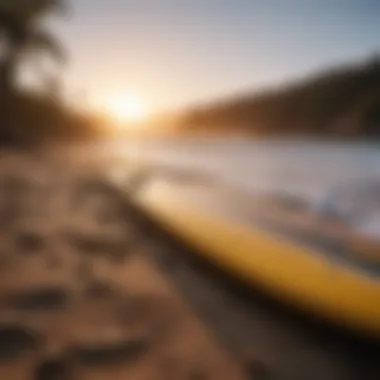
30	9
43	41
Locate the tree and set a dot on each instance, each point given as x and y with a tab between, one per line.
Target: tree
22	34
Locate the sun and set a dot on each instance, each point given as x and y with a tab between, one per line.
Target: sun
127	109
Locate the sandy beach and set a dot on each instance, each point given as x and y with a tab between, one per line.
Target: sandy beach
79	296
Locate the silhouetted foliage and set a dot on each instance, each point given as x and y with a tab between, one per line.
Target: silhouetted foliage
344	101
22	33
37	118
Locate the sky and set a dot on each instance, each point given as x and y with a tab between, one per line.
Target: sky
179	53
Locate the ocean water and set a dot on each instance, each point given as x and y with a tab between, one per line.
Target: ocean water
298	168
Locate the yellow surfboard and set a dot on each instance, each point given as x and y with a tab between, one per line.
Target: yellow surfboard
299	275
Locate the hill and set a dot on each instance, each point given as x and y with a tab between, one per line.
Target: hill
342	101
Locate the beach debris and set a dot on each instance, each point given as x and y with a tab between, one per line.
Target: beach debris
29	241
94	245
109	350
39	299
53	369
15	339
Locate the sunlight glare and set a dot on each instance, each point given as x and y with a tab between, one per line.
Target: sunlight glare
128	109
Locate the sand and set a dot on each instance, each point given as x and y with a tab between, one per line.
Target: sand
79	296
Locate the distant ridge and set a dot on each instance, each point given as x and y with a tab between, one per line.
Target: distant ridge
342	101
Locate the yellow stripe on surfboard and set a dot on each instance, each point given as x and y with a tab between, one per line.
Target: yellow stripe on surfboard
304	277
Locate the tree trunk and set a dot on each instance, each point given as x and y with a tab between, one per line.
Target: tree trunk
7	68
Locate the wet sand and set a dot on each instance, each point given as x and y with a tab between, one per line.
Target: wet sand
80	296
